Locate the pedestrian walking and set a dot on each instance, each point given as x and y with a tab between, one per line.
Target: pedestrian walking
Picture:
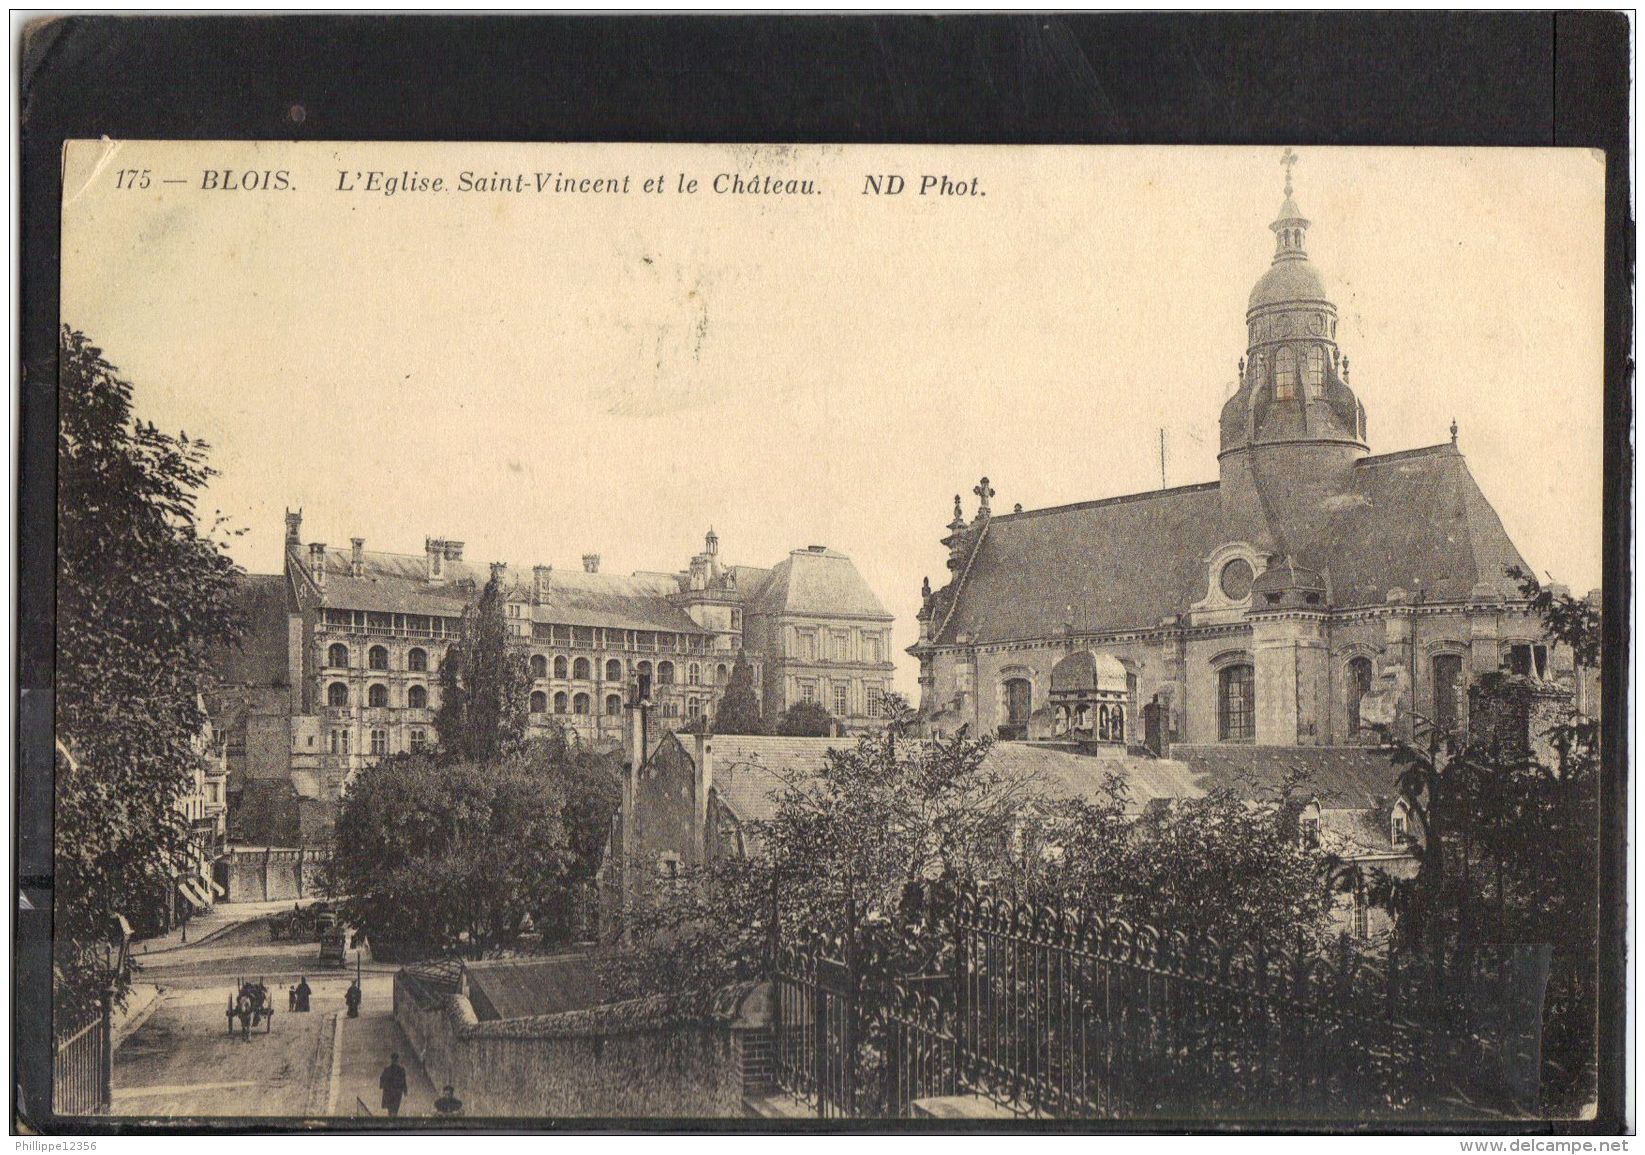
291	998
393	1083
303	993
352	1000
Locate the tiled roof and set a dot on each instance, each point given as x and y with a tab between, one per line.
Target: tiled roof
1354	785
817	580
261	657
1128	562
521	988
1341	777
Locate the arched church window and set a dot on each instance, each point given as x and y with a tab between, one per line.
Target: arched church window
1359	684
1315	376
1236	703
1285	375
1447	692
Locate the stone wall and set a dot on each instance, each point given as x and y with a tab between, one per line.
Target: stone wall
267	874
643	1058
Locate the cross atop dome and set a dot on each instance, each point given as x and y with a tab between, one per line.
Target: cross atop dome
1289	161
1290	227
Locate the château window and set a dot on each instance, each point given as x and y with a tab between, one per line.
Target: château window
560	666
337	694
1447	692
841	691
377	695
874	700
1528	660
613	704
1285	375
1359	684
559	702
613	671
378	658
416	660
719	675
339	741
539	702
665	673
419	741
694	708
579	704
337	656
693	674
1236	703
539	666
580	669
417	698
379	743
1315	373
808	691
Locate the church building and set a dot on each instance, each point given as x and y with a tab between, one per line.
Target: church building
1315	594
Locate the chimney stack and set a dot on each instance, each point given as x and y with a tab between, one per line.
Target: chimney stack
435	550
317	562
540	577
499	572
591	563
705	782
294	528
357	557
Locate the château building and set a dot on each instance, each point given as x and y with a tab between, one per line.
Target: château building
1315	594
341	663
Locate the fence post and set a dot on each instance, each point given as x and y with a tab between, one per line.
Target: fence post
819	1045
105	1096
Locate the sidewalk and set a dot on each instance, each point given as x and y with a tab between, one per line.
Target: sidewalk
208	924
366	1045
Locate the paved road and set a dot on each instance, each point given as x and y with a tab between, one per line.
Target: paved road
183	1061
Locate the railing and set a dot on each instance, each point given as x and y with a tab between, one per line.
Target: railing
1055	1014
80	1071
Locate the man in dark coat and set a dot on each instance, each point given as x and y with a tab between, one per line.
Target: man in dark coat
448	1103
393	1083
352	1000
303	993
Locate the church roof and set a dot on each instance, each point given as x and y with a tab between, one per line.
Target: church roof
816	580
1127	563
1287	280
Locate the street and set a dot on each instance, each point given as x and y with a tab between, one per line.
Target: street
183	1062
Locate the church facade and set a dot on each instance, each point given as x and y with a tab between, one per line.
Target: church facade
1315	594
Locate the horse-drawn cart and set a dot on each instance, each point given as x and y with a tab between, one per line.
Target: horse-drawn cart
252	1007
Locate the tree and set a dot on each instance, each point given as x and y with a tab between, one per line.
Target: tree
143	592
806	720
1510	853
451	856
485	683
590	790
739	709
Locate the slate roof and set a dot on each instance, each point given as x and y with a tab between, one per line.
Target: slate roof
396	583
1126	563
817	580
521	988
633	602
261	658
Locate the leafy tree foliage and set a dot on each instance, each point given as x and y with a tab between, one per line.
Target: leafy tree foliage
739	709
1510	854
485	684
143	591
806	720
452	856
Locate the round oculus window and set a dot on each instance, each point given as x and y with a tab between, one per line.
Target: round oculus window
1236	580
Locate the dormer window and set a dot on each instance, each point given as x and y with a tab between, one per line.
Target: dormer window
1401	833
1308	826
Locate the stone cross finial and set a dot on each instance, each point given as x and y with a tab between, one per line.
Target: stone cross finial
1453	431
959	514
984	492
1289	160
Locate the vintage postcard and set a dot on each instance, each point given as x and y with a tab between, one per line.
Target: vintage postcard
861	633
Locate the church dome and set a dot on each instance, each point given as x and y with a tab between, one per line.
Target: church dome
1288	279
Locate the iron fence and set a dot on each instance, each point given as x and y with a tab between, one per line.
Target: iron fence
80	1071
1057	1014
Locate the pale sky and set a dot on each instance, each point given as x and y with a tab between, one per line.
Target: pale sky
544	375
